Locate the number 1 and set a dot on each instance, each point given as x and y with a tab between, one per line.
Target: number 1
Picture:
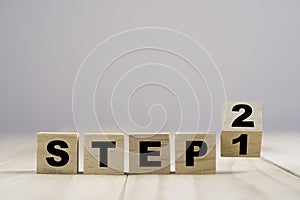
243	140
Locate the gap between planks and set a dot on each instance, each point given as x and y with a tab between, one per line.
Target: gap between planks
281	167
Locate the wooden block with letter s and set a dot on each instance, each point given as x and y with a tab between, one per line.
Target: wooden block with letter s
241	129
103	153
57	153
195	153
149	153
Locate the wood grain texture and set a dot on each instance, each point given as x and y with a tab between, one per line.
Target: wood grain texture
229	132
115	156
202	165
163	158
43	139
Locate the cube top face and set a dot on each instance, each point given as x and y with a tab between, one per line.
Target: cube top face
58	134
195	153
195	134
104	134
103	153
242	116
145	135
57	153
149	153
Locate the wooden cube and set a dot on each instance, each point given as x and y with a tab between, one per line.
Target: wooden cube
103	153
241	129
57	153
195	153
149	153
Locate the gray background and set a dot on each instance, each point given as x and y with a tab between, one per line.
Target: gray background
42	44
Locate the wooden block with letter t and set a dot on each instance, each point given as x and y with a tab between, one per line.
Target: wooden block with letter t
103	153
57	153
149	153
195	153
241	129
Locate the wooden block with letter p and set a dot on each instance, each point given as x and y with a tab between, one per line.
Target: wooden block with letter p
241	129
149	153
57	153
103	153
195	153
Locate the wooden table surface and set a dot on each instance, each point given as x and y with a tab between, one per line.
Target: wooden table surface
276	175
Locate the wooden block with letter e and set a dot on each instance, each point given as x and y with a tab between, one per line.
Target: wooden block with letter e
57	153
241	129
195	153
149	153
103	153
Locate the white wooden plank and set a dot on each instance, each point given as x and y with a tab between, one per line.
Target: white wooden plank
28	185
282	148
235	179
17	152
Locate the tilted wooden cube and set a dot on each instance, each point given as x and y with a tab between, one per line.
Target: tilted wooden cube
195	153
149	153
241	129
103	153
57	153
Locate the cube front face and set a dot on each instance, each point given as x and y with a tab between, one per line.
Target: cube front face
195	153
57	153
242	116
149	153
103	153
242	129
241	144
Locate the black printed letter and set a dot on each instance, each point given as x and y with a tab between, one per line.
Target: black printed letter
191	153
64	156
103	147
144	153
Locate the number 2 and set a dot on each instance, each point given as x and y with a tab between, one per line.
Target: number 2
239	121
